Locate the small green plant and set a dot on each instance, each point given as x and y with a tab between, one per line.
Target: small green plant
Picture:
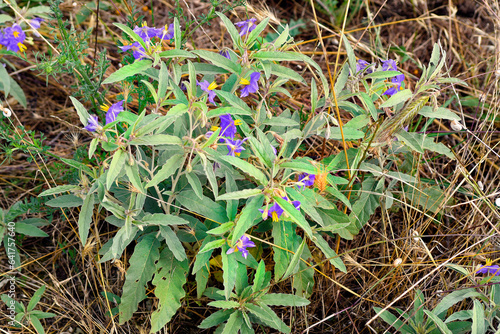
13	40
205	169
10	230
27	314
483	317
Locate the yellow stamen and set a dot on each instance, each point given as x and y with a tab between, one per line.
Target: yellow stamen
275	217
237	154
214	128
237	122
104	107
144	24
22	47
16	34
489	262
244	81
212	86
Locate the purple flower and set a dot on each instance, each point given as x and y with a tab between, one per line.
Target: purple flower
225	53
251	86
389	65
361	65
274	150
92	123
36	22
397	81
208	88
113	111
228	126
306	180
146	33
495	270
167	32
235	146
246	26
13	38
242	245
137	50
276	211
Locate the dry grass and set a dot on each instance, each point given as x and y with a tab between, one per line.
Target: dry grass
397	251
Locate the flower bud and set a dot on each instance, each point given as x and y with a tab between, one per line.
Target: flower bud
456	126
6	112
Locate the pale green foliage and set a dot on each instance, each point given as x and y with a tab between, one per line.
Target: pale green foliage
175	190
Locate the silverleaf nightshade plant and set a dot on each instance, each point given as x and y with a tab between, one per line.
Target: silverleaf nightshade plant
197	173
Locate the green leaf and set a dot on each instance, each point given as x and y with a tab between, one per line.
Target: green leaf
221	229
442	113
246	217
281	299
234	323
159	139
142	267
367	203
335	260
285	72
35	299
37	324
177	34
169	280
173	243
264	313
440	148
453	298
132	34
65	201
219	60
397	98
241	194
126	71
212	245
294	215
350	54
77	165
119	159
478	318
280	121
80	110
225	304
204	207
233	32
30	230
85	218
5	80
195	183
392	320
295	260
167	170
229	271
382	74
58	190
176	53
260	275
17	92
163	219
216	318
418	307
246	167
235	101
438	322
227	110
